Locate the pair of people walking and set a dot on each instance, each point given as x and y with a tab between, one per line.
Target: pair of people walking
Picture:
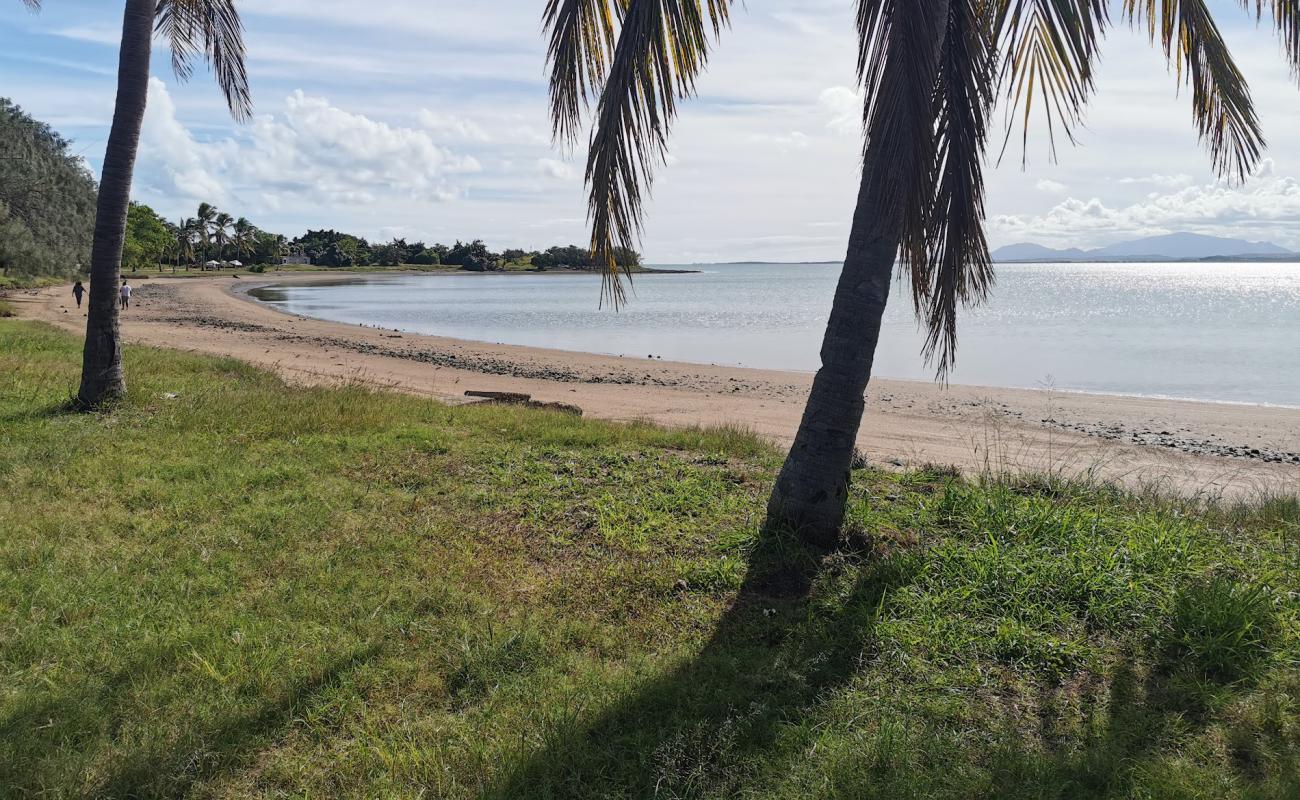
123	294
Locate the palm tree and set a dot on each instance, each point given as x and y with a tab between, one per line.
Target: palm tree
210	28
931	70
203	217
183	244
245	237
220	227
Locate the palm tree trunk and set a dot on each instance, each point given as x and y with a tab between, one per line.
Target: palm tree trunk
101	372
813	485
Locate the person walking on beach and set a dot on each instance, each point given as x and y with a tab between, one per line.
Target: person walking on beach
125	294
77	291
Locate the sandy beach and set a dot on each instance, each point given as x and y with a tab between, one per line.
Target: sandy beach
1193	448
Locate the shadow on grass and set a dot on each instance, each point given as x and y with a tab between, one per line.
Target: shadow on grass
1137	726
64	408
743	711
94	718
692	731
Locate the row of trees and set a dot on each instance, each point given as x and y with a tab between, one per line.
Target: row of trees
213	235
210	235
930	71
47	199
330	248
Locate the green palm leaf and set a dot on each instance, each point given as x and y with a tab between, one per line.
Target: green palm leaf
211	29
1221	105
1048	49
958	269
661	47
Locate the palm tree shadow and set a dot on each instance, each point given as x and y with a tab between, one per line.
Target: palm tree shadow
225	746
63	408
1131	728
781	645
170	769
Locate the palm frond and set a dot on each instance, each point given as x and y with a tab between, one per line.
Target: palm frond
1286	18
958	270
581	42
898	53
212	29
34	5
1048	49
1221	104
661	48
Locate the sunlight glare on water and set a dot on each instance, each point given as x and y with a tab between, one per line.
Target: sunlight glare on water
1212	331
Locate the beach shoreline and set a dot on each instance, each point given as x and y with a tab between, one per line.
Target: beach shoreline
1190	447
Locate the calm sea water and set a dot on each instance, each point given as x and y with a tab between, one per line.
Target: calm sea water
1227	332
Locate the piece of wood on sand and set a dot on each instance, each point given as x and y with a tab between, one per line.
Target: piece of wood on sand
520	399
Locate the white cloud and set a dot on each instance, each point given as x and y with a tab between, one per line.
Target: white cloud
452	125
1050	186
99	34
553	168
1164	181
170	158
309	150
1266	207
845	108
795	140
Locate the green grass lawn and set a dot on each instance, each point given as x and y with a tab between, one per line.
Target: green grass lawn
229	587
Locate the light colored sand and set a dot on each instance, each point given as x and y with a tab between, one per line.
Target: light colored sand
1178	445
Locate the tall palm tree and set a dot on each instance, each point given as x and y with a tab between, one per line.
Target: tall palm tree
244	237
192	28
220	228
203	218
183	242
931	70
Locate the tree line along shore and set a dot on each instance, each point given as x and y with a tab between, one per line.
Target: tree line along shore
47	205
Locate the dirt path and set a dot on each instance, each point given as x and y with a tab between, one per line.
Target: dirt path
1193	448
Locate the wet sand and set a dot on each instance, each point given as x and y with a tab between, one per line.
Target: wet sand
1193	448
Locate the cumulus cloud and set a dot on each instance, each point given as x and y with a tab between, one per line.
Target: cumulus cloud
1050	186
844	105
170	158
1164	181
309	149
1267	207
795	140
553	168
452	126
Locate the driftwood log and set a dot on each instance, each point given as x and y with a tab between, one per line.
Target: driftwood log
520	399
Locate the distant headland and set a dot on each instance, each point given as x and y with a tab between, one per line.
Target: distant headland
1170	247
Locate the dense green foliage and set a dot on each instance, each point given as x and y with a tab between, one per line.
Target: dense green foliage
330	248
149	239
581	257
47	199
233	587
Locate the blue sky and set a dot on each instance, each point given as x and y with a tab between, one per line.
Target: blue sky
427	119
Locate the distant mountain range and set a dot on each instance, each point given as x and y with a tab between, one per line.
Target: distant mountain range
1171	247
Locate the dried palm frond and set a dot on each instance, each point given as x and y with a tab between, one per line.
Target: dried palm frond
1286	18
